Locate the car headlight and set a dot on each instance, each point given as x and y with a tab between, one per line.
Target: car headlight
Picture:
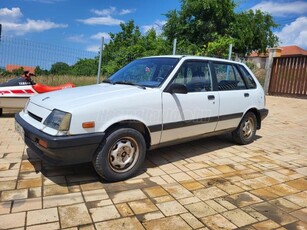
58	120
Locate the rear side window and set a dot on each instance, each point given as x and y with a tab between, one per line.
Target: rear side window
228	77
251	84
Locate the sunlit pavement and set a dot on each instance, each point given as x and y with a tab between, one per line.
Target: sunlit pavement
206	184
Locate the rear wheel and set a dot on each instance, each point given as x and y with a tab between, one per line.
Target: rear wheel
246	131
120	155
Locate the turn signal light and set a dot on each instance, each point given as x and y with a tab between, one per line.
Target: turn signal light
43	143
87	125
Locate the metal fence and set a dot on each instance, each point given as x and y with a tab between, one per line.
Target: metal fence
289	76
15	53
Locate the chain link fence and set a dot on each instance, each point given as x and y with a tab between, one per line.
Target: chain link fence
53	64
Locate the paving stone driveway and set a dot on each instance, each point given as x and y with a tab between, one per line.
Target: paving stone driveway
205	184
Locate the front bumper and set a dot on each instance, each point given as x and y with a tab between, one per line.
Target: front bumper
61	150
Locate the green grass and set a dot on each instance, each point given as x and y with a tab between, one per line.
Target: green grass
59	80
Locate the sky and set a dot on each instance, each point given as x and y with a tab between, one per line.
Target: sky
81	24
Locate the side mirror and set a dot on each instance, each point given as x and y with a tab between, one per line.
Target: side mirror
177	88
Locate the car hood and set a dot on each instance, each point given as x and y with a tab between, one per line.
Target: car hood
68	99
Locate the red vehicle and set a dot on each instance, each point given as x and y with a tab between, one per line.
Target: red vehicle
15	92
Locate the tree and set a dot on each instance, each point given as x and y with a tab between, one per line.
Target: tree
59	68
85	67
218	48
201	24
253	31
18	71
129	44
39	71
199	20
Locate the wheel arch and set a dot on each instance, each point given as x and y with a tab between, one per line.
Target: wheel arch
257	114
134	124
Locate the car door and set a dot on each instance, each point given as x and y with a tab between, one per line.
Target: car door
235	97
192	113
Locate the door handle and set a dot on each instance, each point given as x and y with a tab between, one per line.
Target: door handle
211	97
246	94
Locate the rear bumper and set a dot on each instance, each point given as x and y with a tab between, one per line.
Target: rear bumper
61	150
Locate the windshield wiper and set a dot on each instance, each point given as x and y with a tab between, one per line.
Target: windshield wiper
128	83
108	81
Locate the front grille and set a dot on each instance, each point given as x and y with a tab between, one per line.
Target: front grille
35	117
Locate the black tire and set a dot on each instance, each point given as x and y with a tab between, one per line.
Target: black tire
246	131
129	149
1	112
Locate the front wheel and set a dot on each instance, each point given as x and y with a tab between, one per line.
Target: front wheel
246	131
120	155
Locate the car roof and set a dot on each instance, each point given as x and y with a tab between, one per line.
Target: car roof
187	57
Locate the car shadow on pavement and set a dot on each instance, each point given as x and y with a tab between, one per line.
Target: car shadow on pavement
83	174
7	115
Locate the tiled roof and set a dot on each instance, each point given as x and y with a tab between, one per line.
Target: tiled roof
292	50
285	51
11	67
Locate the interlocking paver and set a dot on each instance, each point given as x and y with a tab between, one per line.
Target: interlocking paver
27	204
200	209
128	223
298	198
239	217
155	191
284	204
7	185
177	191
49	226
209	193
99	194
218	222
124	209
205	184
192	185
300	184
191	220
150	216
274	213
74	215
55	189
243	199
127	196
142	206
301	214
42	216
12	220
28	183
5	207
268	224
59	200
104	213
171	208
14	194
175	222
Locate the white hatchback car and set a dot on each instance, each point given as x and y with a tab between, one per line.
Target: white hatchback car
149	103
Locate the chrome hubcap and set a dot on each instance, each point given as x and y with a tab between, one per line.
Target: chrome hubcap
248	128
123	154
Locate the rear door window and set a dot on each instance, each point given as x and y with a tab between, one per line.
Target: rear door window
228	77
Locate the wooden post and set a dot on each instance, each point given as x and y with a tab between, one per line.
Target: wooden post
273	52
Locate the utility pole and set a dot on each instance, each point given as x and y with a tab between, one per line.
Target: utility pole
0	31
100	59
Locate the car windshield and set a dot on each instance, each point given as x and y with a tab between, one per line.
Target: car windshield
147	72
